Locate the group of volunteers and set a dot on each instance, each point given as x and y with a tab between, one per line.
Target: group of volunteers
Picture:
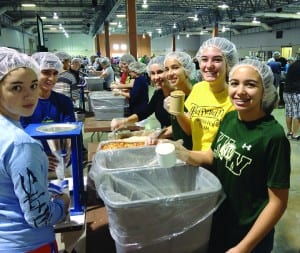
226	126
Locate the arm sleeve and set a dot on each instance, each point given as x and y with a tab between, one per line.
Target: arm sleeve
150	108
139	95
28	169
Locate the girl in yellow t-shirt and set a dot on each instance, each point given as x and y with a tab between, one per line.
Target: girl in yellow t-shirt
208	101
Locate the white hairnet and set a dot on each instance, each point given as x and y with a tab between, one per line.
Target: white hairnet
185	61
276	53
105	61
47	60
137	67
270	96
11	59
76	60
227	48
159	60
128	58
63	56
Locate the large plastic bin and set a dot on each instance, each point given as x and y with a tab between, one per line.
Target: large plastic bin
94	83
106	106
107	99
108	113
157	210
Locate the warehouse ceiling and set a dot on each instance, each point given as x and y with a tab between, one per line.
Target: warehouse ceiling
159	18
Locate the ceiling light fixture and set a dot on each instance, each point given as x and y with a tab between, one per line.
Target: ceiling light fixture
121	16
203	32
28	5
174	26
55	15
223	6
224	29
255	21
145	5
119	25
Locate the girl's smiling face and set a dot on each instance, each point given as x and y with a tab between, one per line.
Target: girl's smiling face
157	75
175	74
213	65
246	92
48	79
19	93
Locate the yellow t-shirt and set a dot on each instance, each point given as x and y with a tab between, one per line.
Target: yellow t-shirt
206	110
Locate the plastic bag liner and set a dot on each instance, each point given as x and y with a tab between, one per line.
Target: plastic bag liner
122	159
111	160
160	210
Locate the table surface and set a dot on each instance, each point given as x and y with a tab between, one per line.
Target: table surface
93	125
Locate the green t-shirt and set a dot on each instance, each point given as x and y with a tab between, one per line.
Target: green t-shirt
250	157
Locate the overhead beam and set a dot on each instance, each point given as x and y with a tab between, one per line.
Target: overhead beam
277	15
110	6
263	25
42	9
48	21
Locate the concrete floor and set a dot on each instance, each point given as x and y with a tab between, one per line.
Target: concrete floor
287	230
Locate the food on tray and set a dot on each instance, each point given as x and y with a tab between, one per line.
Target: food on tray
131	142
121	144
121	134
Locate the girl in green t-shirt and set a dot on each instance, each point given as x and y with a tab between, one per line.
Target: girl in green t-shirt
251	157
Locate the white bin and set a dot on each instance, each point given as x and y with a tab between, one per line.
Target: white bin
106	98
108	113
106	106
94	83
154	210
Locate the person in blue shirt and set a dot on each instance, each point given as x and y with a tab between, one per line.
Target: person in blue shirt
156	71
52	107
28	211
137	96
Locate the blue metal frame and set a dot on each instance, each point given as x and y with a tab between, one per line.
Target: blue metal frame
77	168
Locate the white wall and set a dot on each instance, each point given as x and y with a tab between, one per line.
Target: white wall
267	41
20	41
163	45
252	40
76	44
